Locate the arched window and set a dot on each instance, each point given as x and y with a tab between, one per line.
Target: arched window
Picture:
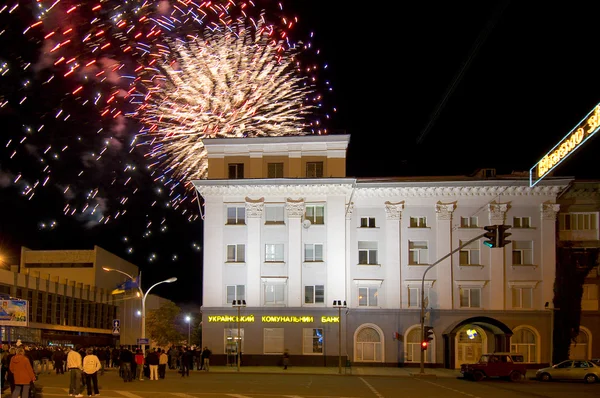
412	346
580	348
524	341
368	344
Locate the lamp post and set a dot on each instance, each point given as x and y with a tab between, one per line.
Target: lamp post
143	295
239	304
188	319
551	309
339	305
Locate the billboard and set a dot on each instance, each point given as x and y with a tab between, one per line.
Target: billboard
13	312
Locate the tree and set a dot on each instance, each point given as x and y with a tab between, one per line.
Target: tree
161	324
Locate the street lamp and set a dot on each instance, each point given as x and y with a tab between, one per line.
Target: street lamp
239	304
188	319
339	305
551	309
144	296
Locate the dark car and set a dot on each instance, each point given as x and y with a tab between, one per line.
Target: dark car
499	364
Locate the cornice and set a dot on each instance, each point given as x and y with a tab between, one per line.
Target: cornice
431	192
274	190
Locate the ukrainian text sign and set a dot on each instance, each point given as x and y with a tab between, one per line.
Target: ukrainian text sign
273	319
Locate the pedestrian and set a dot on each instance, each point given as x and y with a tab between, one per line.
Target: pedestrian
163	360
91	366
23	374
10	378
206	358
74	366
139	365
59	357
286	359
153	361
45	356
125	360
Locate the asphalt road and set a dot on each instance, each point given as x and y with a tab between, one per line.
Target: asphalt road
246	385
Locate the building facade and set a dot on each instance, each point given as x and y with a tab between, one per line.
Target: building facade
287	232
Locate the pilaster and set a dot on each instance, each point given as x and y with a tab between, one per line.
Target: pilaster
497	295
392	268
254	212
548	249
295	212
444	285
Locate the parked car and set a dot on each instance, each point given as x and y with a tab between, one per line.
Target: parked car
499	364
571	370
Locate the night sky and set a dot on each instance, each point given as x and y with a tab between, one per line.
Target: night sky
423	88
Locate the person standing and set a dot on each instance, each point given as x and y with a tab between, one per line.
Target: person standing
163	360
59	357
10	378
74	366
45	356
139	365
206	358
23	374
187	360
91	366
125	359
153	362
286	359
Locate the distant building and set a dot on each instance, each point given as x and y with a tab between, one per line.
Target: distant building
70	300
287	232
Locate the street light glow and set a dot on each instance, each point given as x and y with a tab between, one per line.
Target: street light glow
171	280
188	319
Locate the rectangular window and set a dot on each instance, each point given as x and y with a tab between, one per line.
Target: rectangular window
522	297
470	297
413	297
273	340
315	214
367	253
367	222
418	222
468	222
236	253
235	292
578	221
314	169
274	293
236	215
469	255
274	214
314	294
274	252
275	170
367	296
312	341
522	252
236	171
521	222
418	253
313	252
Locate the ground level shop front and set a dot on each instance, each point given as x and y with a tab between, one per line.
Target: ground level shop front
371	337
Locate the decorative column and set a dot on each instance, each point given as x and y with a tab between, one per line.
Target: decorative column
391	259
497	294
445	280
349	238
254	212
295	213
548	249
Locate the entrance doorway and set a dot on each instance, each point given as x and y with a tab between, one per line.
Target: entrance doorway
471	342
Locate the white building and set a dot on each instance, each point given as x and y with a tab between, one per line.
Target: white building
286	231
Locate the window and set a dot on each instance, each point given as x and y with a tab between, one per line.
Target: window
521	222
313	252
417	252
367	222
312	341
418	222
367	253
236	215
274	293
522	297
468	222
275	170
236	171
274	214
314	170
578	221
470	297
315	214
273	340
368	345
236	253
522	252
231	339
367	296
413	347
469	255
235	292
589	299
274	252
414	297
523	341
314	294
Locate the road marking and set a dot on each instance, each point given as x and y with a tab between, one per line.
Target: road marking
448	388
182	395
373	390
237	396
128	394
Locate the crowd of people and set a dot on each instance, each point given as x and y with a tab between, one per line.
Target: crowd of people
21	365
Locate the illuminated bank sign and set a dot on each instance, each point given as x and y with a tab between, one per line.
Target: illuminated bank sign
576	137
272	319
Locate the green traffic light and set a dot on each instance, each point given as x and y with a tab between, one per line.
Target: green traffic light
488	243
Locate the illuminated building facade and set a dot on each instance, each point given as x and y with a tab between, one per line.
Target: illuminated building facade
287	231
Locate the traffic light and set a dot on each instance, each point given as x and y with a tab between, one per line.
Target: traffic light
502	235
491	235
427	337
